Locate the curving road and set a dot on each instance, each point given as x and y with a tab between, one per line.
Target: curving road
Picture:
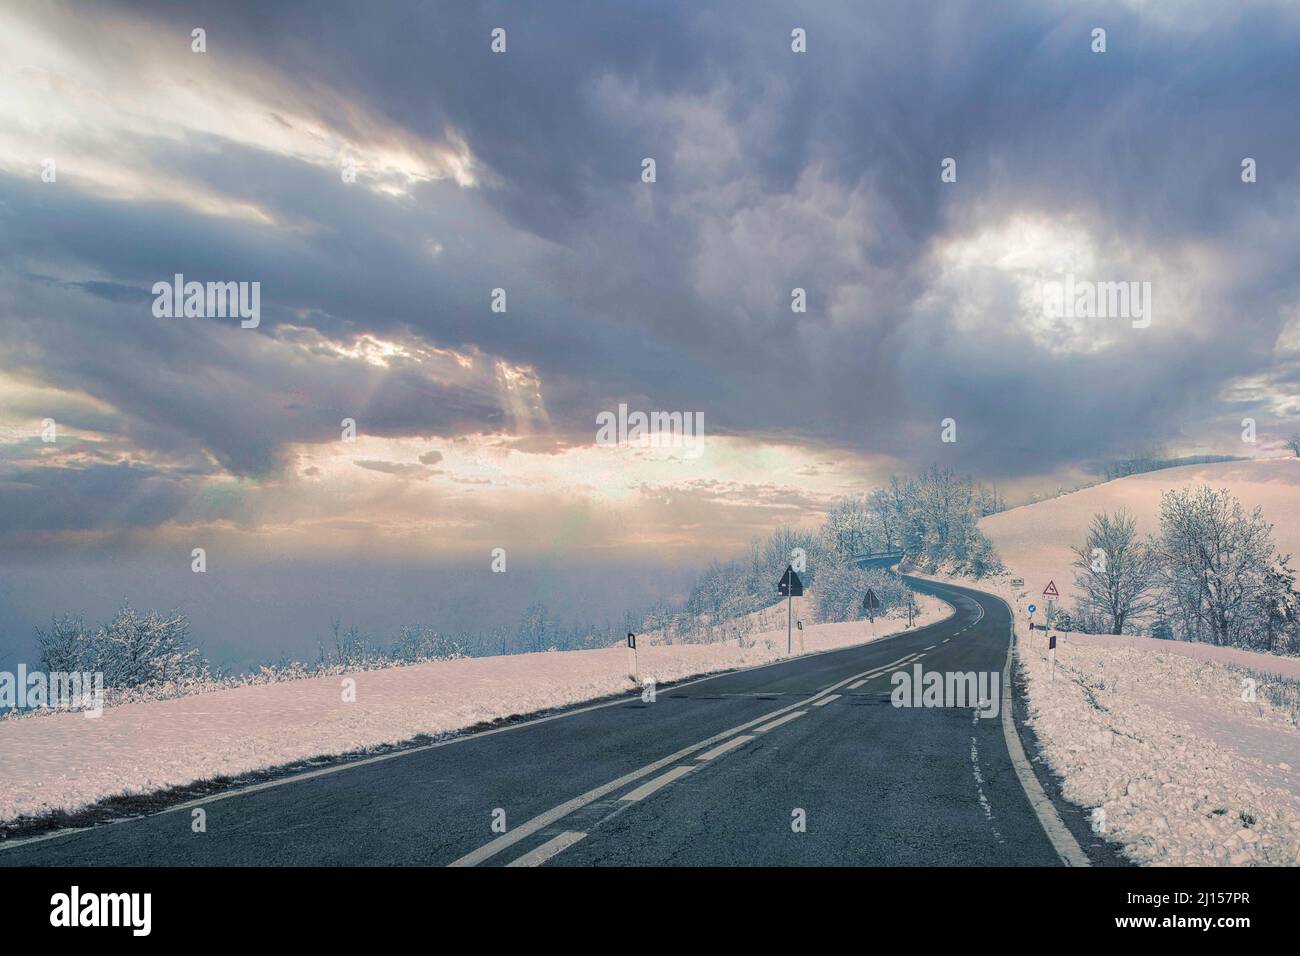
718	771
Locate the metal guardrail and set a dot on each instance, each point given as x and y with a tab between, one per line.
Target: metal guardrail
881	556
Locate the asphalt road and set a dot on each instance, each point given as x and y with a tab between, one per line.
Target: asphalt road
715	772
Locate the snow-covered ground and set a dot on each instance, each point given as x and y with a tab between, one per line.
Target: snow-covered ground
1177	765
66	761
1034	541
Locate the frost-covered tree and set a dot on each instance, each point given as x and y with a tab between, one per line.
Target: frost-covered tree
879	504
535	628
842	587
1216	558
135	649
1277	611
423	643
849	526
67	646
933	518
1116	574
1161	628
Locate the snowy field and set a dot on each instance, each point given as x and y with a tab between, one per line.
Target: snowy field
65	761
1178	766
1034	541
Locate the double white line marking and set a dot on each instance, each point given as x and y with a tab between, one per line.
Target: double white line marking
881	670
543	820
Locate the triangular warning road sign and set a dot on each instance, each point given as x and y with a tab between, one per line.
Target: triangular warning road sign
790	585
1050	590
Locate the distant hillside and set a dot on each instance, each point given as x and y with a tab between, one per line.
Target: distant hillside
1138	466
1034	540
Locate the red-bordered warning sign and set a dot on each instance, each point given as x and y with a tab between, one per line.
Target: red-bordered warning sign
1050	590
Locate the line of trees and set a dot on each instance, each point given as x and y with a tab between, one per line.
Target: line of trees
1211	574
153	651
132	649
933	518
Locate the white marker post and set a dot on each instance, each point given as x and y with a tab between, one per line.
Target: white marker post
631	656
789	616
1051	649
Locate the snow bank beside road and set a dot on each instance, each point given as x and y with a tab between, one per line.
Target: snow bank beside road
67	761
1183	770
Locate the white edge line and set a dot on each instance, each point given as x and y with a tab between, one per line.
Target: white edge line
826	700
1062	840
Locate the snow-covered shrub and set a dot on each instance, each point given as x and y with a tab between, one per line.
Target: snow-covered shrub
131	650
842	587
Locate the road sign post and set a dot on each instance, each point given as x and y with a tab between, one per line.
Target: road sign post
871	604
1051	594
790	587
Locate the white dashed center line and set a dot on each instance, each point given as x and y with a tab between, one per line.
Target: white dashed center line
826	700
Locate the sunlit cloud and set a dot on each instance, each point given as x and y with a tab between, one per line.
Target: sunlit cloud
111	116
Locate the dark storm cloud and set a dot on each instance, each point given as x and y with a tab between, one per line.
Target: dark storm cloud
775	170
95	498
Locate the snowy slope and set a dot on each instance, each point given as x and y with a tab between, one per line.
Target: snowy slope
1034	541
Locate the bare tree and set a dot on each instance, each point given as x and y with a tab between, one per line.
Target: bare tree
881	508
67	645
1294	444
1216	557
1116	573
848	523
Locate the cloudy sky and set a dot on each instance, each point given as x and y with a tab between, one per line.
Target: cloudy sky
522	170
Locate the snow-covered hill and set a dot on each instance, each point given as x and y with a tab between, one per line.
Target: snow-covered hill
1034	541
